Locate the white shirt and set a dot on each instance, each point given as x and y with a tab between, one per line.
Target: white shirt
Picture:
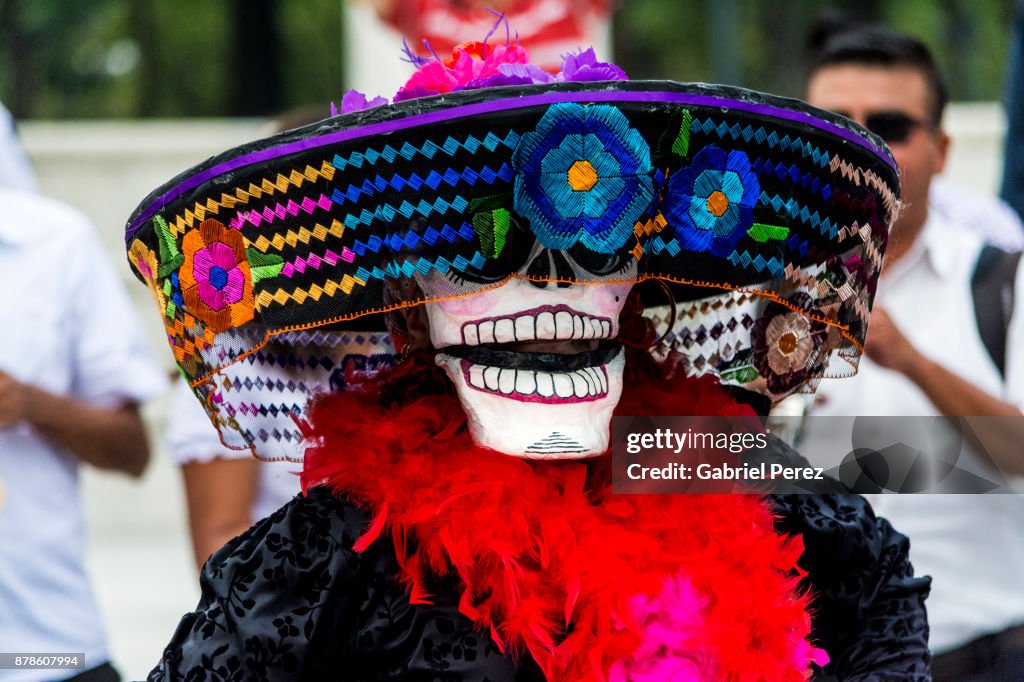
971	545
15	169
69	328
990	217
191	437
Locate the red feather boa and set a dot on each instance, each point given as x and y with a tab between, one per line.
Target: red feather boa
595	586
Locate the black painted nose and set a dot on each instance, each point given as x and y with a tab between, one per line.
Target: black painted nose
547	266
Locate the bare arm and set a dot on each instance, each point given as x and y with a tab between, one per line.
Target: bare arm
953	395
220	495
107	438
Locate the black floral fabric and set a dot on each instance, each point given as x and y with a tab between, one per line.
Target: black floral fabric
291	600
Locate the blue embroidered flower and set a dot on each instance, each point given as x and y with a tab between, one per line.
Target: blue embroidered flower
583	176
711	201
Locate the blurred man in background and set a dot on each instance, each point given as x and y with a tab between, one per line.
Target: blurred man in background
15	168
74	367
925	356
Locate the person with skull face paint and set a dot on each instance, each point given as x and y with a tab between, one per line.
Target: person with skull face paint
457	521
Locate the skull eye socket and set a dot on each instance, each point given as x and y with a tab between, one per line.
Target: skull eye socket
513	257
600	264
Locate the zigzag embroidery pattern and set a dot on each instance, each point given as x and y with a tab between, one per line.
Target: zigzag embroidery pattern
330	287
808	181
304	235
748	133
268	384
865	234
184	341
861	176
774	265
374	245
384	211
428	149
434	179
280	211
281	183
797	211
363	276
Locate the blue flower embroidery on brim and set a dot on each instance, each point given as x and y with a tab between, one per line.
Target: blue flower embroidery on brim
711	201
583	176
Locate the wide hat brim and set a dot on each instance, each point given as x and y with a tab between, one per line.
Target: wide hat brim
735	195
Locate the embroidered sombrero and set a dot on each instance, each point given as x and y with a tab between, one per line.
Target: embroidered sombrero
768	218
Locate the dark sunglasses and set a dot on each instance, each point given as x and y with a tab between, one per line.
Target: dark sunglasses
893	126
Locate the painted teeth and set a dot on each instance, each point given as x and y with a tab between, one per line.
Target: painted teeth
582	383
545	326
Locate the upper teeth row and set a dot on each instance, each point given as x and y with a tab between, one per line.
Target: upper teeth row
545	326
589	381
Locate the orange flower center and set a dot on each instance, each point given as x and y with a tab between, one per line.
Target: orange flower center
718	203
582	176
787	343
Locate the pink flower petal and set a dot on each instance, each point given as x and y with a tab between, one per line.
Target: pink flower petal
201	264
210	295
232	290
223	255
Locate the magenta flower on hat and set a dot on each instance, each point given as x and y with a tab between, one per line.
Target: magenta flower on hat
221	281
215	279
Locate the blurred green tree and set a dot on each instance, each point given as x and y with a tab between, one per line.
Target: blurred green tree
170	58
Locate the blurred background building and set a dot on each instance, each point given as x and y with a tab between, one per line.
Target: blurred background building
114	97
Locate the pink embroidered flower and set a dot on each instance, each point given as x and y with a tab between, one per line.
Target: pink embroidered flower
215	279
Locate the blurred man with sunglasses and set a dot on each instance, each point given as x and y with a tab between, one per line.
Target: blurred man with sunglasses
925	357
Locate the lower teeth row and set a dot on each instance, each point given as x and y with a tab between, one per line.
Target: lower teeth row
589	381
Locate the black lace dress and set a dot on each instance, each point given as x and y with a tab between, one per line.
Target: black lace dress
290	600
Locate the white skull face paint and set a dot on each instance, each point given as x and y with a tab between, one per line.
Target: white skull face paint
534	366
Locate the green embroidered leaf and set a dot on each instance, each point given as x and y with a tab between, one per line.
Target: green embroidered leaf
760	232
681	146
502	220
263	265
490	203
166	238
170	264
170	258
492	229
741	375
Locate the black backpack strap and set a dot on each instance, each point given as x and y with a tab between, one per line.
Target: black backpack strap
992	288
